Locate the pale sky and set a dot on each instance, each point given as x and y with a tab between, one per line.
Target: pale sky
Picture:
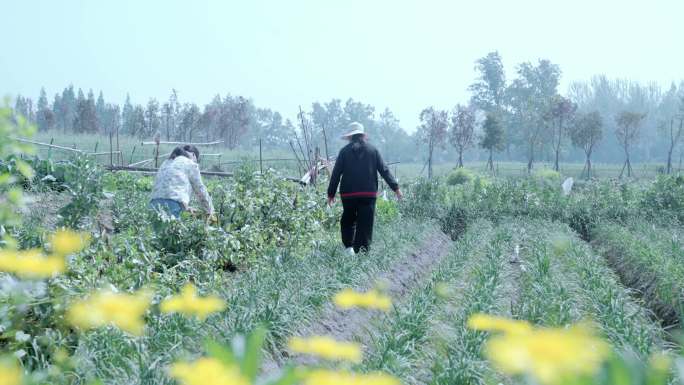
404	55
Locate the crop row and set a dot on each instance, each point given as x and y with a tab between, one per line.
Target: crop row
425	339
648	259
564	281
552	278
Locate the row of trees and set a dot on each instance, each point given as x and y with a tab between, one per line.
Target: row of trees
530	119
228	118
525	119
233	119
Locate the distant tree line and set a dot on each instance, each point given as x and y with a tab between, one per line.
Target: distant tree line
528	119
233	119
524	119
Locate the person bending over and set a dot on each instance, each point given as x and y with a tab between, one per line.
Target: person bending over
357	166
177	177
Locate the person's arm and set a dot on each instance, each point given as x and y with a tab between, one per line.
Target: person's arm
387	174
200	190
335	178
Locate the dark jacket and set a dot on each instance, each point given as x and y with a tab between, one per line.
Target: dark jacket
358	164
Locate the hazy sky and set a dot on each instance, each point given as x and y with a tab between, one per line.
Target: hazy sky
404	55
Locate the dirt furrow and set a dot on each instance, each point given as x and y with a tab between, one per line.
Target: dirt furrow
399	280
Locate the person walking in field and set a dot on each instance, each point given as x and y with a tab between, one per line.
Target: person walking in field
357	167
177	177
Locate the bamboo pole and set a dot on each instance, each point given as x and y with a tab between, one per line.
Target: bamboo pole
156	155
111	155
179	143
325	142
52	140
47	145
103	153
261	164
120	156
154	170
130	160
139	163
299	162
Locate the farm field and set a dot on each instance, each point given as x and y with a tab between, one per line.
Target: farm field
342	193
133	152
96	289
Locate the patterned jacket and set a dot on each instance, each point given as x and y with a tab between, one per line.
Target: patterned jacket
177	178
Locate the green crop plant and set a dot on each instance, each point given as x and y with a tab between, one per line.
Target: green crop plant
591	289
649	259
455	356
403	340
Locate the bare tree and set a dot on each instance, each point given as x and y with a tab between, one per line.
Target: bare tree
462	130
627	131
585	133
432	131
562	110
674	130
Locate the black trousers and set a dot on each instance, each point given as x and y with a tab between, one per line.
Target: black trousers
356	223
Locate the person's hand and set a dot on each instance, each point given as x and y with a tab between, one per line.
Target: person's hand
400	196
331	200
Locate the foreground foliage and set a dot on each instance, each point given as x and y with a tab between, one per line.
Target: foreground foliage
124	296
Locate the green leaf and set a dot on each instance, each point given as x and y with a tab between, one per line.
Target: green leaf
25	169
220	352
252	359
289	376
618	371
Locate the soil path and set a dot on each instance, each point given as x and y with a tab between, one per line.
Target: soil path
356	324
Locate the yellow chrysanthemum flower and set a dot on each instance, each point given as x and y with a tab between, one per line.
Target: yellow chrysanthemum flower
189	303
206	371
331	377
65	242
31	263
327	348
10	372
372	299
125	311
489	323
660	362
549	355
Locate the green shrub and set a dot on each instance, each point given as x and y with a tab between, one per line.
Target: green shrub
665	194
387	210
546	174
425	198
127	181
590	204
460	176
83	182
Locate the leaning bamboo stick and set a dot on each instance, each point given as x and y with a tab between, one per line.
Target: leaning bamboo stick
47	145
140	162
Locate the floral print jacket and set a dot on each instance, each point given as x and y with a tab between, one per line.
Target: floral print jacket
177	178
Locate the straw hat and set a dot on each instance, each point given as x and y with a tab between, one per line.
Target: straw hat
354	128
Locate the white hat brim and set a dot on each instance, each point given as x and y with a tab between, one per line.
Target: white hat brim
352	133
